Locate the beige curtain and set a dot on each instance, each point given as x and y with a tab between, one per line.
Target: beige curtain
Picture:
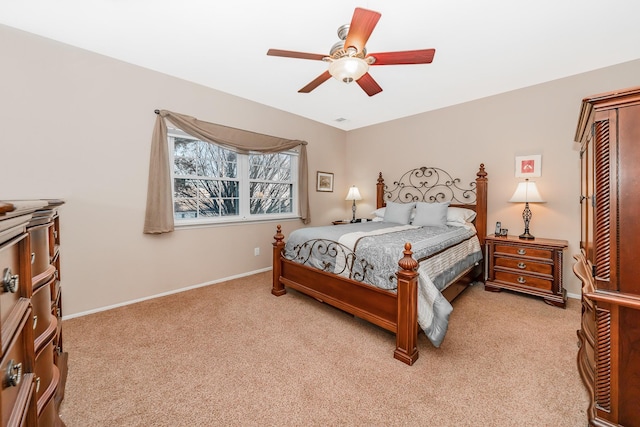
159	213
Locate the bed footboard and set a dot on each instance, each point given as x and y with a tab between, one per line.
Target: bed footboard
394	311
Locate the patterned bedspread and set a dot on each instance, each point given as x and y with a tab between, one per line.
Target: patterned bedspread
443	254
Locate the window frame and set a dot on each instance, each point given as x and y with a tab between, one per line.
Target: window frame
244	181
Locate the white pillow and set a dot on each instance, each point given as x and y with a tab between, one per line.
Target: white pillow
378	213
431	214
460	215
399	213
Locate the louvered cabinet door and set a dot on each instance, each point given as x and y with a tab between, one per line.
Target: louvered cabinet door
586	198
604	208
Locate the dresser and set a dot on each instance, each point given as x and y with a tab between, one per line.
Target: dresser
608	132
33	363
532	267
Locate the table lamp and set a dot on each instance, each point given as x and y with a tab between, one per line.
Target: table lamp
354	195
526	193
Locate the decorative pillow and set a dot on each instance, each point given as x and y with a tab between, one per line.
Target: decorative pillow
379	212
431	214
458	216
398	212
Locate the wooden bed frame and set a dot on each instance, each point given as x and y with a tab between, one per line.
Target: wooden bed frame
395	312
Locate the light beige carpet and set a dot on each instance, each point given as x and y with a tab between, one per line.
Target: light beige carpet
232	354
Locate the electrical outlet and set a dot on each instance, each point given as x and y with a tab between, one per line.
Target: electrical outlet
256	251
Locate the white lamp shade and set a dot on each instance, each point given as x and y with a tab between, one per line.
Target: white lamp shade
527	192
348	68
354	194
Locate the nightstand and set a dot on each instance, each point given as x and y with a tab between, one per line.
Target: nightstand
530	266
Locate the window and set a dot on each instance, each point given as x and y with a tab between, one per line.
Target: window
212	184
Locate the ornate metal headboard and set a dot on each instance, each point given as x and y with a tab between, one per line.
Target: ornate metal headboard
428	184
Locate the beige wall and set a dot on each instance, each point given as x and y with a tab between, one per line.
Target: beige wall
77	126
537	120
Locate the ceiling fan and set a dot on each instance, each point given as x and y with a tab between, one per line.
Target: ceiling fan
348	58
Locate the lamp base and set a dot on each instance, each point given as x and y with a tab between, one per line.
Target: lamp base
526	236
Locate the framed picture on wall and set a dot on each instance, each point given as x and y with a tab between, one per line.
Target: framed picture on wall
528	166
324	181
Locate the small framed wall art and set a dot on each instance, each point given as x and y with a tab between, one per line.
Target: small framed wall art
528	166
324	181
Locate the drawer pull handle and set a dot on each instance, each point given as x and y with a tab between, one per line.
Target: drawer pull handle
14	373
522	265
522	251
35	321
33	257
37	384
522	280
55	234
10	281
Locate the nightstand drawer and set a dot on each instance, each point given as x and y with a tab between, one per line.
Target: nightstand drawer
524	265
524	280
524	251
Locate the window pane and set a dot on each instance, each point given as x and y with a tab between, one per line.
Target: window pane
207	181
185	209
230	207
185	147
184	166
185	188
286	206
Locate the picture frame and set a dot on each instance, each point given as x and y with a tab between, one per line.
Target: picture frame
529	166
324	181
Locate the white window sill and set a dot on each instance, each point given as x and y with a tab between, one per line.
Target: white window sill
230	222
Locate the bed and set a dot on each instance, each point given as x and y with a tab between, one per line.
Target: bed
339	265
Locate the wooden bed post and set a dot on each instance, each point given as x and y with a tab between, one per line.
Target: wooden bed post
277	288
407	324
481	204
380	192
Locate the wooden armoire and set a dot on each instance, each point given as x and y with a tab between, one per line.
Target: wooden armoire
609	261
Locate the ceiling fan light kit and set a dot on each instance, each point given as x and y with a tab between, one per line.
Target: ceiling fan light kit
348	68
349	60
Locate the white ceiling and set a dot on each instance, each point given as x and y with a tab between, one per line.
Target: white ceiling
483	47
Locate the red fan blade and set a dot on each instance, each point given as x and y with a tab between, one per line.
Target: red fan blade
315	83
423	56
369	85
362	24
292	54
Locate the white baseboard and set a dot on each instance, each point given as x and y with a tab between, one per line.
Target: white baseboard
213	282
574	296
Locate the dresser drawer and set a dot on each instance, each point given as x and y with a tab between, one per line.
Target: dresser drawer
40	258
16	362
524	265
524	280
44	372
23	412
12	287
524	251
48	415
41	303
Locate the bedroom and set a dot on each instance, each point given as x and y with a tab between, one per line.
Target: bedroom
78	126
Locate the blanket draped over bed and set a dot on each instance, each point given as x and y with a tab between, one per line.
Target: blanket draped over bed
443	253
